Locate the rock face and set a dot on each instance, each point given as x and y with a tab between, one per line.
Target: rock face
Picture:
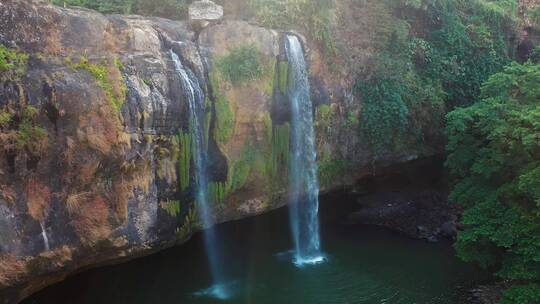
202	13
90	164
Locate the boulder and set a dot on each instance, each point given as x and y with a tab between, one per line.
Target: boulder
204	12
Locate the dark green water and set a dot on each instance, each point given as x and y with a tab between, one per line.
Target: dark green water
365	265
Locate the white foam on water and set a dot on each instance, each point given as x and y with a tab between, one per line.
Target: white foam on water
221	291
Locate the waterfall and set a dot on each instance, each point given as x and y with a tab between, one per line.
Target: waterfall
44	236
197	108
304	185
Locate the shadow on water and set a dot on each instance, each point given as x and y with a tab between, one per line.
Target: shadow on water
365	264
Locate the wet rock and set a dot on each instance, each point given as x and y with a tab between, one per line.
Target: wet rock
485	294
424	214
449	230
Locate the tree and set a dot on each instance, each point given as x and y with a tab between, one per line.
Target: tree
494	152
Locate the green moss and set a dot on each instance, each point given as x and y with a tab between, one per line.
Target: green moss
118	64
266	83
12	63
324	117
28	133
242	168
283	76
267	121
19	130
279	158
243	64
116	95
207	121
217	192
172	207
224	126
5	118
184	159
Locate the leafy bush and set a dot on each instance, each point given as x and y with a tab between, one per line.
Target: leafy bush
469	45
241	65
384	115
494	151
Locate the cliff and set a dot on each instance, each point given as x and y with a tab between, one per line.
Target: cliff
95	161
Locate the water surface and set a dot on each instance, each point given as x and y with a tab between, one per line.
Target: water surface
365	264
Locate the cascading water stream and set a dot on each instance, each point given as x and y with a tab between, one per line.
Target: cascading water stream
304	185
197	109
45	237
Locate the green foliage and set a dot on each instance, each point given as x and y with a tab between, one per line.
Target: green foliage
184	159
104	6
311	16
114	89
535	55
242	168
5	118
469	45
331	169
19	130
282	76
279	158
12	63
191	223
414	79
172	9
224	126
172	207
242	65
534	15
385	114
224	116
324	117
522	294
494	150
217	192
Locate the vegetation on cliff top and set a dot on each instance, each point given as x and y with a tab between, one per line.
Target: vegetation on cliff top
311	16
494	151
172	9
436	66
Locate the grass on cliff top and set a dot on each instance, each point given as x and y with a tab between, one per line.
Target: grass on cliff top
312	16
